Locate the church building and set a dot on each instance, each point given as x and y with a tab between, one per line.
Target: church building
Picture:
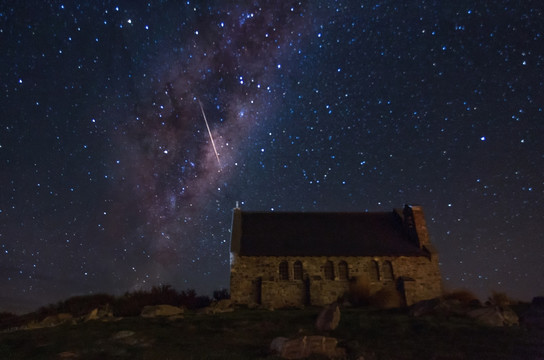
281	259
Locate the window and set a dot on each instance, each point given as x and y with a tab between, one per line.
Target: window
343	270
297	270
388	271
374	272
284	270
329	270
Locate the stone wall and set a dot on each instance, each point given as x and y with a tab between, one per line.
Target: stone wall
278	294
256	280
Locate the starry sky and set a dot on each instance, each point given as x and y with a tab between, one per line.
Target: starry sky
109	181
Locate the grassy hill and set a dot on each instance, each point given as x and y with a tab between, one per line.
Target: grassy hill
247	334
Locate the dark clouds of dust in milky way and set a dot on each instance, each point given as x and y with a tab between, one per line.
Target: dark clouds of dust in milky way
229	62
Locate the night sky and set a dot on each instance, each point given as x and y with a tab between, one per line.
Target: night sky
109	181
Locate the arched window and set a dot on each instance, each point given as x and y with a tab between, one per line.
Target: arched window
284	270
374	271
343	270
297	270
388	271
329	270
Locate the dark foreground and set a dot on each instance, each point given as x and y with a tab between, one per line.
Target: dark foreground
247	334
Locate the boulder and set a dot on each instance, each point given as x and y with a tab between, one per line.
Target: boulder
123	334
52	320
101	313
126	337
221	306
216	307
68	355
92	315
424	307
440	306
303	347
494	316
57	319
510	317
105	311
328	318
277	344
160	310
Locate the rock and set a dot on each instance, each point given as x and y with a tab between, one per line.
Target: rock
224	304
126	337
68	355
160	310
105	311
424	307
487	315
303	347
221	306
328	318
175	317
490	315
93	315
494	316
54	320
438	306
99	313
123	334
510	317
277	344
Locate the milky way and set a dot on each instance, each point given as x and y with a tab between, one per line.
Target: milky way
229	63
110	181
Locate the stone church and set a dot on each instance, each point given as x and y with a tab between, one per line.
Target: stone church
283	259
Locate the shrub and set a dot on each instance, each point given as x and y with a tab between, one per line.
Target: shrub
9	320
190	300
499	299
221	294
164	294
131	304
82	305
359	291
386	298
464	296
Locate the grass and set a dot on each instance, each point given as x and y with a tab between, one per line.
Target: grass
246	334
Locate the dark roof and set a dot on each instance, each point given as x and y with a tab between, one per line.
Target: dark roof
325	234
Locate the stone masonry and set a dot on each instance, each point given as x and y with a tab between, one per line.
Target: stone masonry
287	280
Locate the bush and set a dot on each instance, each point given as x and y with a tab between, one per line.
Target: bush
386	298
9	320
222	294
131	304
359	291
500	299
164	294
465	297
82	305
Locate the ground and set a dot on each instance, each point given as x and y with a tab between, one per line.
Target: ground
247	334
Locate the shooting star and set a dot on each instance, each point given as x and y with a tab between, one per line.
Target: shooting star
210	133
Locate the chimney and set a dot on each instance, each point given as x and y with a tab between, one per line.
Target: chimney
415	224
236	229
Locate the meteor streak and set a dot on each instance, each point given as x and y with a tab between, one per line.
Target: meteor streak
210	133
